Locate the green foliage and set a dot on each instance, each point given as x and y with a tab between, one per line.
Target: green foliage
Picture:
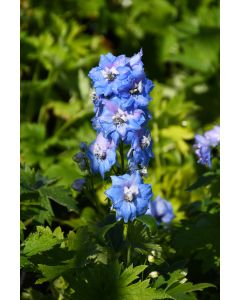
44	239
71	247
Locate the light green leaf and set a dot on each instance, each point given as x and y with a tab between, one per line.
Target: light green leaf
42	240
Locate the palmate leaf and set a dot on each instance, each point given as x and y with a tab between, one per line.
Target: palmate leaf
52	272
141	240
61	196
181	291
76	252
42	240
149	221
108	282
177	287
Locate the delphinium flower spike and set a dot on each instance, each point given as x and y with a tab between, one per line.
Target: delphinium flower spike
121	93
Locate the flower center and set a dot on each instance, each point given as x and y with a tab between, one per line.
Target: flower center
130	193
145	142
98	152
143	171
110	74
119	118
137	88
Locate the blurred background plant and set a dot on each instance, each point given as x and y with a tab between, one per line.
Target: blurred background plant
60	43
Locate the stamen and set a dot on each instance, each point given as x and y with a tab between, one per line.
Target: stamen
98	152
110	74
119	118
130	193
146	141
137	88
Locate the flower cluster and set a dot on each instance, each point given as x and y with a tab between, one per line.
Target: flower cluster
205	143
120	97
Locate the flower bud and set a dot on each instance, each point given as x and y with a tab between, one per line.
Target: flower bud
151	259
78	184
183	280
153	274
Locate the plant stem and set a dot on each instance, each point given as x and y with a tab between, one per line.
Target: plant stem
128	255
122	157
125	236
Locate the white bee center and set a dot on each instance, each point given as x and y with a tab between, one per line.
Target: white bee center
145	142
119	118
110	74
130	193
98	152
137	88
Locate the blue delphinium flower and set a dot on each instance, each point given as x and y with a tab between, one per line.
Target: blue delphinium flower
102	154
140	152
123	77
129	195
135	93
161	210
204	144
105	77
115	123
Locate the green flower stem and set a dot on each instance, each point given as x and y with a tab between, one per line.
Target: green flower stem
125	237
122	157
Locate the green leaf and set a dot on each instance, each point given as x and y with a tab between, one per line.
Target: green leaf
142	290
61	196
51	272
203	181
130	274
141	239
149	221
42	240
178	291
108	282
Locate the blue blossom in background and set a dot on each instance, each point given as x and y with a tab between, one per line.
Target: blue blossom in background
101	154
204	144
213	136
129	195
161	210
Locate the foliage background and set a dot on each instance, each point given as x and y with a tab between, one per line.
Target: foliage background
60	42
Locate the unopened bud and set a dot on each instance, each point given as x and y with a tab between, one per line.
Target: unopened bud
153	274
183	273
183	280
151	258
